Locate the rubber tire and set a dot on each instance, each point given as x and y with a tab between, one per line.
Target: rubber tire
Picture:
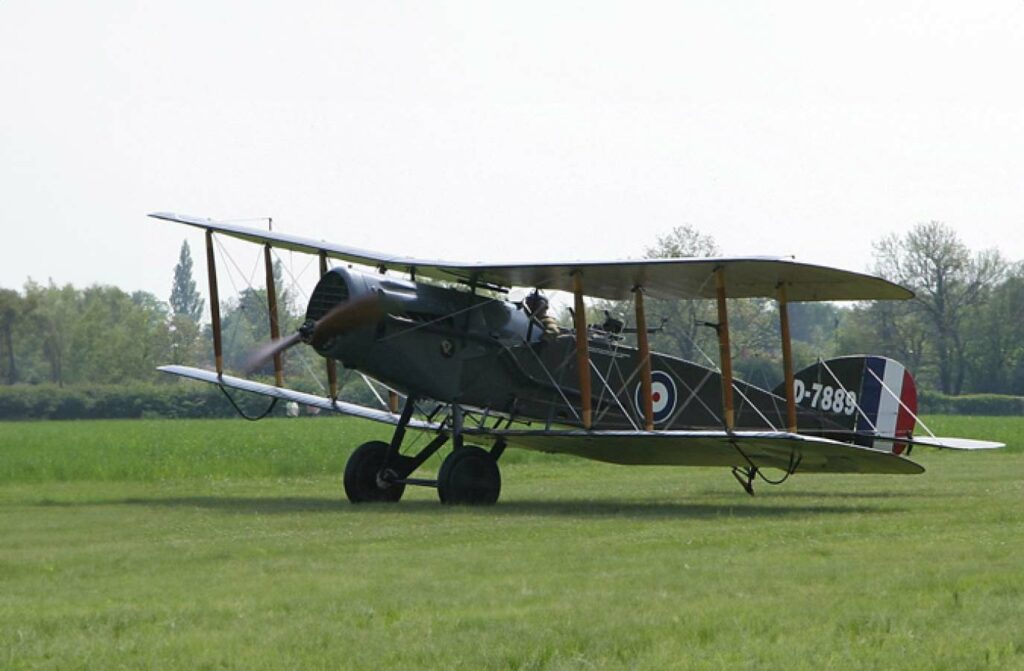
361	475
469	477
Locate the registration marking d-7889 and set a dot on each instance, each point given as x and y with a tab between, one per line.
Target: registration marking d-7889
825	397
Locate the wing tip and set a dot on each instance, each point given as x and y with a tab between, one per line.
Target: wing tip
181	218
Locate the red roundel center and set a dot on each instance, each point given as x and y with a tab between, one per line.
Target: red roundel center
656	396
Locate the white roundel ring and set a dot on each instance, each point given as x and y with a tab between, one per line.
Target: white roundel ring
663	396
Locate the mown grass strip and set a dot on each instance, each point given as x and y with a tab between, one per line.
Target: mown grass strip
152	450
582	565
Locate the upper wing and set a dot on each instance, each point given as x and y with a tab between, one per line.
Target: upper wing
746	277
764	449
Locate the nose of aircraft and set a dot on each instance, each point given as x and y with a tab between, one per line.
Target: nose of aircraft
339	320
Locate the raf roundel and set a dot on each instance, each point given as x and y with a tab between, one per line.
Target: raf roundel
663	396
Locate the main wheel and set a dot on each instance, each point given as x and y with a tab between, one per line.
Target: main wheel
469	476
361	484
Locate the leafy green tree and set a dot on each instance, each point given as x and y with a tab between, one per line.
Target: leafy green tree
753	323
887	328
995	340
685	334
99	334
148	323
949	283
116	337
50	310
245	324
10	311
687	325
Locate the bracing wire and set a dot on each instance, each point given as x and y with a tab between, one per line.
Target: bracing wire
242	413
856	404
226	256
902	404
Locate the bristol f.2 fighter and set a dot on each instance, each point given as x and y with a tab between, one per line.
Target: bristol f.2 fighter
485	373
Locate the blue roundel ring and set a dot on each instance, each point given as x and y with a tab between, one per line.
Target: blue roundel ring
663	396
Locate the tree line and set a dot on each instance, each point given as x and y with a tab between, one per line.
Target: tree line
960	334
67	336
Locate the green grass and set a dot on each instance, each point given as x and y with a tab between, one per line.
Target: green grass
223	544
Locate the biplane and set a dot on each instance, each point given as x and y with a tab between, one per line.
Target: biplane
485	372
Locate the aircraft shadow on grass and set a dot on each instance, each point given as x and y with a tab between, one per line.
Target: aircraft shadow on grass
578	509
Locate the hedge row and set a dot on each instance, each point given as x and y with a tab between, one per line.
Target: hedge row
129	401
933	403
204	400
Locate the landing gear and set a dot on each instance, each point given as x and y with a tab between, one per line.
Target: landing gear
377	472
363	483
469	476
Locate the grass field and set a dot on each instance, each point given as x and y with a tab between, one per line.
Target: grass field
225	544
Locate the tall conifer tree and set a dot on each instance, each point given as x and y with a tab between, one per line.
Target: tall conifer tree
185	300
186	310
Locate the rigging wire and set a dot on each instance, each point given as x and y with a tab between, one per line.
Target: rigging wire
242	413
902	404
264	310
856	404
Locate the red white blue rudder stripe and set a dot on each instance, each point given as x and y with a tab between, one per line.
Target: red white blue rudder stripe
888	403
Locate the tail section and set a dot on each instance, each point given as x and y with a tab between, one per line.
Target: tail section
867	400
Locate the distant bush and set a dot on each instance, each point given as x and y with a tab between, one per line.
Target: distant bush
933	403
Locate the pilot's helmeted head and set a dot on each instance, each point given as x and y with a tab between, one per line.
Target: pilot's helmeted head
536	304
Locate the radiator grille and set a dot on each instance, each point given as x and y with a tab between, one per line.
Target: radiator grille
330	290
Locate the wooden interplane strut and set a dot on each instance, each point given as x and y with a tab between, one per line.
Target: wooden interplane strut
644	347
787	359
211	272
332	369
275	328
582	350
724	351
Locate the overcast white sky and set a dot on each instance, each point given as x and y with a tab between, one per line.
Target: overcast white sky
504	131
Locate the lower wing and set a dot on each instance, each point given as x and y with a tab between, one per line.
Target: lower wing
321	402
764	449
787	451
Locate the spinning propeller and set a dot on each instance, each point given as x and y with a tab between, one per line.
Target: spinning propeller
339	320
